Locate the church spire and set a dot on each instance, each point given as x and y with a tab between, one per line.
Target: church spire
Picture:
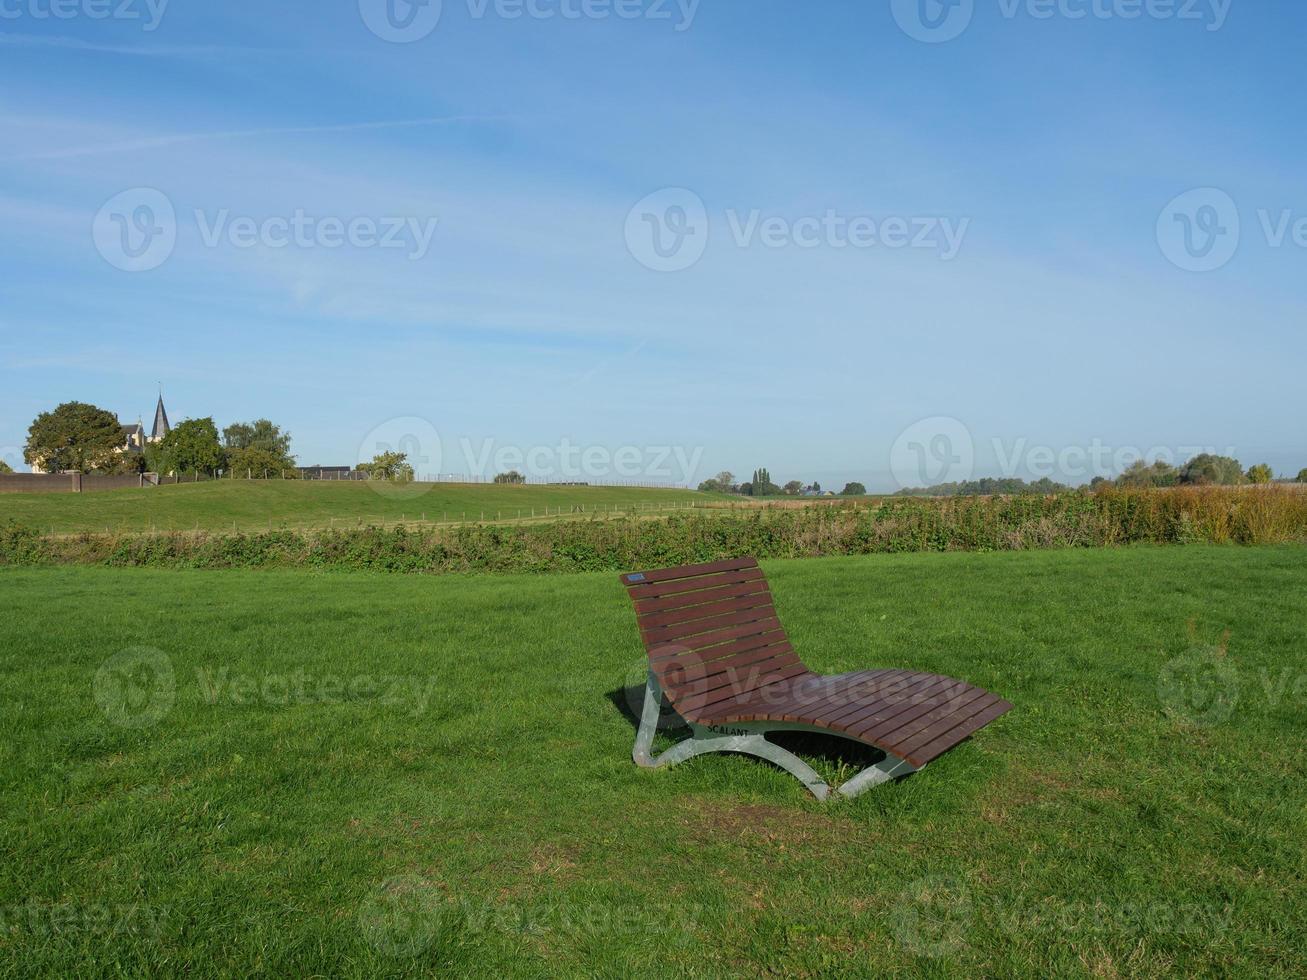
161	425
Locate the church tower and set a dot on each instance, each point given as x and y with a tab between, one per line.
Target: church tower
161	425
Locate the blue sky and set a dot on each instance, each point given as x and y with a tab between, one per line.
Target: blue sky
1061	322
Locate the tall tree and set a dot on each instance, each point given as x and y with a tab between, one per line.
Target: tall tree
190	447
853	490
1208	469
259	434
75	436
1261	473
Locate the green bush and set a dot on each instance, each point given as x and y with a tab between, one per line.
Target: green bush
1110	516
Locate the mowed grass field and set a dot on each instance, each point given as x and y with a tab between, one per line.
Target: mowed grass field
253	505
272	774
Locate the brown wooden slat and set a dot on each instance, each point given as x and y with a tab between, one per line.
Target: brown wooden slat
705	640
920	689
741	657
682	631
810	701
739	676
888	732
923	754
688	614
689	600
690	585
922	734
661	654
763	679
686	571
944	699
883	689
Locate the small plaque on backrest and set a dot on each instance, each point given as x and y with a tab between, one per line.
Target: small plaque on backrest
637	577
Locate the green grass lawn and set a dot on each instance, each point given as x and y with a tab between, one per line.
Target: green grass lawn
369	775
251	505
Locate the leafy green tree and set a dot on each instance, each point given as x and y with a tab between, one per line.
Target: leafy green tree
5	467
260	434
1207	469
190	447
793	488
1261	473
512	476
1302	476
271	446
388	466
1141	474
723	482
853	490
75	436
260	461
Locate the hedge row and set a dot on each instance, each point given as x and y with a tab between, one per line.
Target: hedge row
1075	520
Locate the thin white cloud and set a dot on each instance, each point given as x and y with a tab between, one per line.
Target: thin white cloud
149	50
173	139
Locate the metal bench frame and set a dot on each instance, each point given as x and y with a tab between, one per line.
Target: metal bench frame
706	739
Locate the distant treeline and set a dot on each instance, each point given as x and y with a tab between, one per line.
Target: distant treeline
996	523
1204	470
984	487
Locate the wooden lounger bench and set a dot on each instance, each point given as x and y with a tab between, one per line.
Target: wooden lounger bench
718	654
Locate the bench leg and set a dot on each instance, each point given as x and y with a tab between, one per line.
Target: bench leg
888	768
703	741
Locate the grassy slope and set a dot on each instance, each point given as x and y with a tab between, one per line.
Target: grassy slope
216	505
1084	833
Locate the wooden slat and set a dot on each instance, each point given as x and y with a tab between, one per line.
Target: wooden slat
691	585
707	701
705	640
686	571
920	690
688	614
885	732
688	600
740	675
923	754
661	654
923	734
681	631
809	701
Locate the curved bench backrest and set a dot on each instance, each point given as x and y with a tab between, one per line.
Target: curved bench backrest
711	632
